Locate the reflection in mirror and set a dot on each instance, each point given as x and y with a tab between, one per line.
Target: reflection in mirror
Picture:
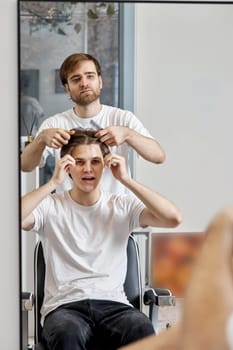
49	32
183	75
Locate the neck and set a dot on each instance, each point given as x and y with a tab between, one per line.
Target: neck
89	110
85	198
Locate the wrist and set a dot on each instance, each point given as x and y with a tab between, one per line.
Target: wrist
40	140
126	180
130	133
52	184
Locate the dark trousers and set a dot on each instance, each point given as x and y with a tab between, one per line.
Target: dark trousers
94	324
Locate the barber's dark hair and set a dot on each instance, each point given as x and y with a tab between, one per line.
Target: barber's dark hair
83	137
72	61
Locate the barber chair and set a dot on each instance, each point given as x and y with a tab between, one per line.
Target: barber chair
152	297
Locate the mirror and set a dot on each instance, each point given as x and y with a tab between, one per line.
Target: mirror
181	55
49	32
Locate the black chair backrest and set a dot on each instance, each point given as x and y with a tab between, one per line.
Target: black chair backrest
39	278
132	285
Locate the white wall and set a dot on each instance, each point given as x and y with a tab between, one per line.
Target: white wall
9	260
184	84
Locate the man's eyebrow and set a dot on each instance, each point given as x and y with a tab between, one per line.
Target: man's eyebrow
91	72
79	158
85	73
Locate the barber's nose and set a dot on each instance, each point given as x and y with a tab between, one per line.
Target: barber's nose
84	82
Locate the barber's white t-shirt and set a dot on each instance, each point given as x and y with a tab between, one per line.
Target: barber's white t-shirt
108	116
85	247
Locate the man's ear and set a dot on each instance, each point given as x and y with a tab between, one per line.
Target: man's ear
101	82
107	157
66	88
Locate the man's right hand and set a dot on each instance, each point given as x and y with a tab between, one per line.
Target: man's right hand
61	169
55	137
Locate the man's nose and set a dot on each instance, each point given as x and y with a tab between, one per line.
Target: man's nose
84	82
87	166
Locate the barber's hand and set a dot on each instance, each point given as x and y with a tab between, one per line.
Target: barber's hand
61	169
55	137
117	165
113	135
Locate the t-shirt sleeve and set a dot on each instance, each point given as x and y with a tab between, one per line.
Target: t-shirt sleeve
40	214
133	207
135	124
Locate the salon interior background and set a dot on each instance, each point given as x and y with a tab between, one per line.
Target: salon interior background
193	123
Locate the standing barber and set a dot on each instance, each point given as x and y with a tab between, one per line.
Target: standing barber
81	77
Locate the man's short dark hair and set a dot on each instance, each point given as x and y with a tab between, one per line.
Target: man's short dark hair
83	137
72	61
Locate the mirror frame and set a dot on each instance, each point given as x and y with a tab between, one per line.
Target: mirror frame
124	102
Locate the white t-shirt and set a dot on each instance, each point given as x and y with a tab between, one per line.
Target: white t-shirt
108	116
85	247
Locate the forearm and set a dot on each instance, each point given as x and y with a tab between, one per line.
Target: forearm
32	154
146	147
164	213
31	200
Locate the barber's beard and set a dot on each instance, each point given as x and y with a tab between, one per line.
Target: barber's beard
84	100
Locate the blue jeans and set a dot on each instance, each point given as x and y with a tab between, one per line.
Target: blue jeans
88	323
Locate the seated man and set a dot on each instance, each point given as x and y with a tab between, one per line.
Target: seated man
207	320
84	233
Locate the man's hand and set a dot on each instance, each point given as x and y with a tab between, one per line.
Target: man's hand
55	137
117	165
61	168
33	152
113	135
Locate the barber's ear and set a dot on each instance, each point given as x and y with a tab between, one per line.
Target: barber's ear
101	82
67	90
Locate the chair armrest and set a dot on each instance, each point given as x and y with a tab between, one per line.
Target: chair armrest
159	297
162	291
155	298
27	301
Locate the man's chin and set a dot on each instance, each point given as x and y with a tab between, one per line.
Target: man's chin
87	188
86	100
